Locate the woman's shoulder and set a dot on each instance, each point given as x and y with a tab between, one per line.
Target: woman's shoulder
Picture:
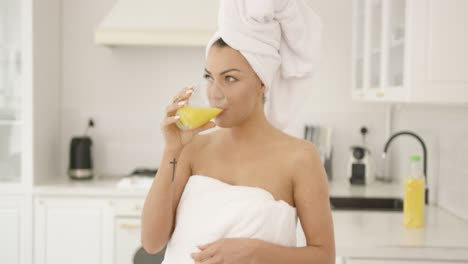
300	151
297	144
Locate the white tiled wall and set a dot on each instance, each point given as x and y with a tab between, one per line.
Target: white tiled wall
445	130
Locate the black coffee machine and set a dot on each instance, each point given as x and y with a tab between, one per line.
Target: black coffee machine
81	161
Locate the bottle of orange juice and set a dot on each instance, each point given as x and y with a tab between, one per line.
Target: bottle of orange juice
413	201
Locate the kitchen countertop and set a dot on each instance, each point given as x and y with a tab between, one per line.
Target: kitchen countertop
358	234
342	188
372	234
98	186
105	185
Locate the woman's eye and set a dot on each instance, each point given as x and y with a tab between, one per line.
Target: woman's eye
231	79
206	76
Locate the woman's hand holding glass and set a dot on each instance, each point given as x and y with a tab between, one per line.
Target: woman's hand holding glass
183	121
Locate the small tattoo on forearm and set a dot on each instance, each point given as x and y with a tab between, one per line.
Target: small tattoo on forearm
173	162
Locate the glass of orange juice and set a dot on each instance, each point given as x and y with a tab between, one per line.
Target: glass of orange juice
198	111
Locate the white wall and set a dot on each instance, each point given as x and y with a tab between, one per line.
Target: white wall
47	41
126	89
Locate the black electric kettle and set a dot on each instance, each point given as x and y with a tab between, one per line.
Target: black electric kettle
81	161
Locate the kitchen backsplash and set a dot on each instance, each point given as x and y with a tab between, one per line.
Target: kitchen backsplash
126	90
445	129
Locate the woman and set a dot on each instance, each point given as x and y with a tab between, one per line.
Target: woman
234	195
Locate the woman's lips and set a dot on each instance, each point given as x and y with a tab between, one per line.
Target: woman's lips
222	112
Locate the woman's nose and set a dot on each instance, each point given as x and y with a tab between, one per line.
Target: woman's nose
216	94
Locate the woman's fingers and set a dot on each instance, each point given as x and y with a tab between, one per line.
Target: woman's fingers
170	120
183	94
179	101
171	109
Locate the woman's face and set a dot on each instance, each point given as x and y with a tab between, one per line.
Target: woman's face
232	85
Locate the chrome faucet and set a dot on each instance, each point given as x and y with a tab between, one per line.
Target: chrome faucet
409	133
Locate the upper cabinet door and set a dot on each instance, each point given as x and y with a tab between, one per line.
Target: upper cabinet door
410	51
379	48
448	40
374	43
11	90
439	51
358	44
10	59
394	43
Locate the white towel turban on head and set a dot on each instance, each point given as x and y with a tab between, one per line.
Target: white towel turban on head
281	41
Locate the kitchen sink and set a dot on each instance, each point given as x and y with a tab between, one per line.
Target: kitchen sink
366	203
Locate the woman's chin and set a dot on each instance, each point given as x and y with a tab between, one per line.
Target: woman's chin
220	123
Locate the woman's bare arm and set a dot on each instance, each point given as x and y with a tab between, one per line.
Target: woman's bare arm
313	207
160	205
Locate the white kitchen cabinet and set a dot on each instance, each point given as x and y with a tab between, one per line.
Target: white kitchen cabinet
395	261
12	48
29	116
127	239
128	249
73	230
410	51
15	229
29	92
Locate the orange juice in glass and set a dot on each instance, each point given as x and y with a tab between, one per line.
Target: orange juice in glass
198	111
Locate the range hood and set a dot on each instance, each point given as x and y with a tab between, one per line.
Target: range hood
158	23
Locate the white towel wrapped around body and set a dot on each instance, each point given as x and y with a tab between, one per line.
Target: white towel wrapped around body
210	209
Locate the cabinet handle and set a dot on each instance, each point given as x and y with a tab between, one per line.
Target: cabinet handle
130	226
